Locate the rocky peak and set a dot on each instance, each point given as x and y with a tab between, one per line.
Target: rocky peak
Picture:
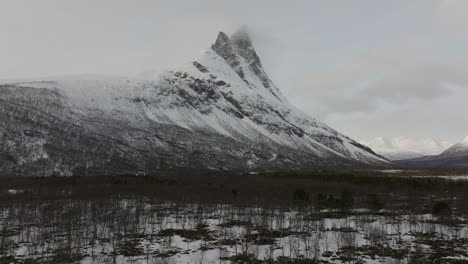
221	41
241	38
224	49
242	43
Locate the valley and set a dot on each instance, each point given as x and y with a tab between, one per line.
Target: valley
315	217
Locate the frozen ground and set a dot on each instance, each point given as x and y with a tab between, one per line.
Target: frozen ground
145	231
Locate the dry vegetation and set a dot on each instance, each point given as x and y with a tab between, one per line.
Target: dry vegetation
316	217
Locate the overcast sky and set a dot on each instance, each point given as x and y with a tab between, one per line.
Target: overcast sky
372	69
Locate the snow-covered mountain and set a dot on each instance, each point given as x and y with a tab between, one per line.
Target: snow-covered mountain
221	111
402	148
393	155
457	150
455	156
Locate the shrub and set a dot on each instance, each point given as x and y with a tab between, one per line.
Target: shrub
300	195
373	202
347	200
441	209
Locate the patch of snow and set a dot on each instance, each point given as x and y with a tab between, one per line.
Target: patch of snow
15	191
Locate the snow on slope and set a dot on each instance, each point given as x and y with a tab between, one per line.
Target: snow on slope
261	93
459	149
453	157
224	99
400	155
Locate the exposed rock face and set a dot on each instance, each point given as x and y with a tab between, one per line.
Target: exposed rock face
241	42
226	51
221	112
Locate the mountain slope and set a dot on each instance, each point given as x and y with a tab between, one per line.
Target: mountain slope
455	156
400	155
221	111
458	150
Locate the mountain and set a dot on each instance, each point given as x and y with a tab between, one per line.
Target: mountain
458	150
402	148
393	155
220	112
455	156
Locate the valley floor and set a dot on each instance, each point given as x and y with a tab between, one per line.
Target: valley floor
309	217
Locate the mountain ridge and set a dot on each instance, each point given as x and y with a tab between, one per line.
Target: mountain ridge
454	156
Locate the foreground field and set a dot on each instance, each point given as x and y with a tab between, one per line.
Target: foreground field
319	217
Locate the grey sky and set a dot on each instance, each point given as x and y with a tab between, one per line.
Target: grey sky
369	68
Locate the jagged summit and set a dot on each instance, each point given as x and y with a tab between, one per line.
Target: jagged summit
226	51
221	41
242	33
242	42
240	38
243	45
240	45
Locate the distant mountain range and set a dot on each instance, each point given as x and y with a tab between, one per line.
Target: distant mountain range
455	156
220	112
400	155
402	148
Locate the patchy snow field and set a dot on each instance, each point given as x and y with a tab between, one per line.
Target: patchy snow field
142	231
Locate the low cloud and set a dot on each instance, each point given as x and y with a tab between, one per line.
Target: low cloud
452	15
54	37
401	144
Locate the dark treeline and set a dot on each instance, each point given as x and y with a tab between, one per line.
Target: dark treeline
361	189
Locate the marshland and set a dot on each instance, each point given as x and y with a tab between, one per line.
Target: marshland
212	217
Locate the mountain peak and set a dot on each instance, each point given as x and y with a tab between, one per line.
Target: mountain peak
460	147
465	140
221	40
242	43
241	36
239	48
226	51
220	112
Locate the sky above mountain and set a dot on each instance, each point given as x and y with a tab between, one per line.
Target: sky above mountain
371	69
